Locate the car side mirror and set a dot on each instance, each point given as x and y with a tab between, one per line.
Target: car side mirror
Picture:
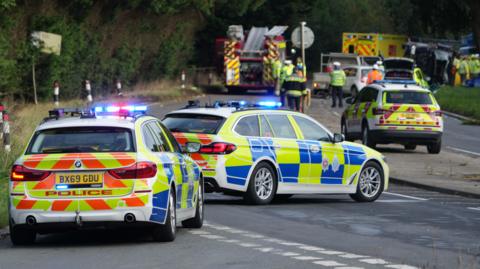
191	147
349	100
338	138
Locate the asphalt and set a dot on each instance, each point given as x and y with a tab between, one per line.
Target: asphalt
460	137
406	228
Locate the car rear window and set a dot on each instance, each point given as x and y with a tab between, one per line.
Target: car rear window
82	139
193	123
408	97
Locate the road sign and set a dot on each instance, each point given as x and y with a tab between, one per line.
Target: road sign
308	36
47	42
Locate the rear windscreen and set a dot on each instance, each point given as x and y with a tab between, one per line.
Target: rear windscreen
408	97
193	123
82	139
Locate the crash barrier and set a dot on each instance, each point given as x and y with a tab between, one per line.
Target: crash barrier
5	128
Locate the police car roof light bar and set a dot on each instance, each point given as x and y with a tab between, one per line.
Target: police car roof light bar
120	110
395	81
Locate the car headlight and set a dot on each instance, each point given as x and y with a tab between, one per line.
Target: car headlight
384	158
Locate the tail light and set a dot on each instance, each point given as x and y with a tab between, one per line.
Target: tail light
379	111
218	148
136	171
438	113
21	173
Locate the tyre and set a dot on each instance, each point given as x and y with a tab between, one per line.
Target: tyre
21	235
410	146
435	148
197	221
354	91
344	131
262	185
370	183
367	139
167	231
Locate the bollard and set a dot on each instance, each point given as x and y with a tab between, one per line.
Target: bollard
56	92
119	87
6	132
88	88
2	108
183	79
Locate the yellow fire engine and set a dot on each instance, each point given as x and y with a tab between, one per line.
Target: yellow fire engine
371	44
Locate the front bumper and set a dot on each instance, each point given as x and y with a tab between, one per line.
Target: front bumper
405	137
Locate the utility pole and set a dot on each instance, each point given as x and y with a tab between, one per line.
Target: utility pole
302	29
34	82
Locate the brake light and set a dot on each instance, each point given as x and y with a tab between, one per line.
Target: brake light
379	111
21	173
438	113
136	171
218	148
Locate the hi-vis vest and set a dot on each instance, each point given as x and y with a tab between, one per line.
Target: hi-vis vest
337	78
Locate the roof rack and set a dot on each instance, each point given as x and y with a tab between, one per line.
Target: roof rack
58	113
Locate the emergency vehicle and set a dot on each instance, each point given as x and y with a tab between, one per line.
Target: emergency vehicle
374	44
394	112
266	152
105	167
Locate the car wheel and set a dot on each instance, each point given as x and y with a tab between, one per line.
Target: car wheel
354	91
410	146
435	148
367	139
167	231
262	185
197	221
21	235
344	131
370	183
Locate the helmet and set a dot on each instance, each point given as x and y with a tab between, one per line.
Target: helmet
288	62
379	63
375	67
336	64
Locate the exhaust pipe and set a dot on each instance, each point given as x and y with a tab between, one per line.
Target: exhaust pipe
30	220
130	218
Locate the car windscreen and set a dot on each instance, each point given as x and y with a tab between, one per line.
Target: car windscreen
193	123
82	139
408	97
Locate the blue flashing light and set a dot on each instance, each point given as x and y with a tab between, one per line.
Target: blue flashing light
242	103
140	108
270	104
98	109
120	110
62	187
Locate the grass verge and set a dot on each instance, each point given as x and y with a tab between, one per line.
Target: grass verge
460	100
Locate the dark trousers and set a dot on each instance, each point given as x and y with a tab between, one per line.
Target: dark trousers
294	102
337	92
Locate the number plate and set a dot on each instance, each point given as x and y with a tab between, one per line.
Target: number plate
80	180
410	116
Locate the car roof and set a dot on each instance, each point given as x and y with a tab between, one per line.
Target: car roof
398	59
359	66
397	87
223	112
100	121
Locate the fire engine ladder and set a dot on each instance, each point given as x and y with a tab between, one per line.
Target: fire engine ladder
255	39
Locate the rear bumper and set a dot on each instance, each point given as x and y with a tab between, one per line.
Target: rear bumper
142	214
402	136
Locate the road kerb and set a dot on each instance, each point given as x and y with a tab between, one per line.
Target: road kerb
4	233
435	188
457	116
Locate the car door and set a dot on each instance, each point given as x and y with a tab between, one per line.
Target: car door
351	74
327	159
291	159
354	120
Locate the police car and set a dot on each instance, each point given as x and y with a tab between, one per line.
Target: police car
265	152
110	166
394	112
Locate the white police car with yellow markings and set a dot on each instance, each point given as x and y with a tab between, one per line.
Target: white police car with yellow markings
266	152
111	166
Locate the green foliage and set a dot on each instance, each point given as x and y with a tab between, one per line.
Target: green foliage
173	54
460	100
7	4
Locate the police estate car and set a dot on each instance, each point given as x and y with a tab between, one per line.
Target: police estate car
268	152
108	166
394	112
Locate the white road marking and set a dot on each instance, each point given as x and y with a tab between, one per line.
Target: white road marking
253	235
474	208
374	261
198	232
307	258
464	151
212	236
265	249
406	196
311	248
290	254
250	245
396	201
352	256
229	240
348	267
328	263
400	266
290	244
